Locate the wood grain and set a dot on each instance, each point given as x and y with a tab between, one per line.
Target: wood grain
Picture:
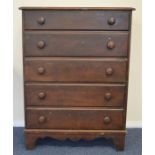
76	66
79	8
75	95
76	19
32	135
83	119
73	43
75	70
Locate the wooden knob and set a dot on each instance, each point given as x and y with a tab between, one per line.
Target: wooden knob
111	21
42	95
109	71
108	96
107	120
110	44
41	20
42	119
41	70
41	44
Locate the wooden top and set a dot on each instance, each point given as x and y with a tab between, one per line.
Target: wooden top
78	8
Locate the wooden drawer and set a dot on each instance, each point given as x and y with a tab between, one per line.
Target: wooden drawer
75	70
75	95
76	19
62	118
75	43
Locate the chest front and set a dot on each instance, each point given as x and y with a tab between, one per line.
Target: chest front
76	63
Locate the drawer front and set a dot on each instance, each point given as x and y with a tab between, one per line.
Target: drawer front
75	95
75	43
99	20
75	70
74	118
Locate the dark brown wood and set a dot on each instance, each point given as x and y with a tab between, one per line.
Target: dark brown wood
41	94
41	20
76	66
73	43
41	119
41	44
79	8
119	141
75	70
76	19
108	96
74	118
111	21
75	95
30	140
40	70
111	44
128	69
31	135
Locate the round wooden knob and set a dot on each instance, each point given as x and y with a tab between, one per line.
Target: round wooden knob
109	71
111	21
41	44
42	119
108	96
41	70
42	95
41	20
110	44
107	120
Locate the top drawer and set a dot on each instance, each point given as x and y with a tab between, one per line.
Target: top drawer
76	19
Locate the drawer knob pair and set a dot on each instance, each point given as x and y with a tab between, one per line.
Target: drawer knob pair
110	45
107	120
42	95
42	119
41	44
108	96
41	70
109	71
41	20
111	21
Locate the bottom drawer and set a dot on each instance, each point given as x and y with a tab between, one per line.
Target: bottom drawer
74	118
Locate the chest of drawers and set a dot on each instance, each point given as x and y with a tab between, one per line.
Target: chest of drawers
76	63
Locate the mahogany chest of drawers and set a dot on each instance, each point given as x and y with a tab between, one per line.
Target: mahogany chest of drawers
76	63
